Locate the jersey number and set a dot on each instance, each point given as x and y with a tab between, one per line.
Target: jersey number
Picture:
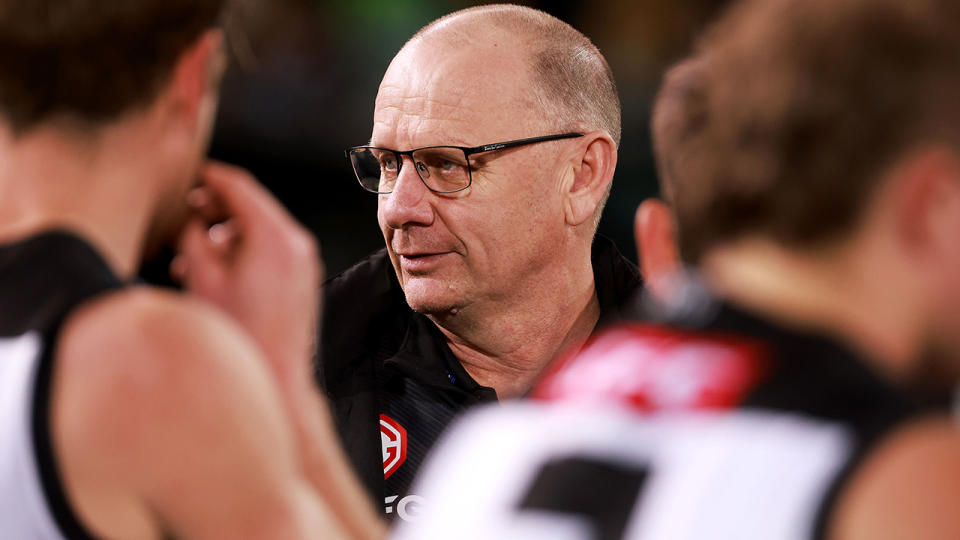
603	494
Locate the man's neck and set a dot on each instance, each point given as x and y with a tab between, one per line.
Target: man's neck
507	346
94	187
839	292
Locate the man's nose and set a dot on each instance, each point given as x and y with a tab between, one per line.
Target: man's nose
408	203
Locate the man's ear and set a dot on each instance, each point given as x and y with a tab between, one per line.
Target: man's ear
591	177
195	76
657	249
927	199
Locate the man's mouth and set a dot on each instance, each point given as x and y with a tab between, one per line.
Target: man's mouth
419	262
417	255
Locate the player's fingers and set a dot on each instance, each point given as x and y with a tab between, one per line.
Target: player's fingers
224	236
201	261
260	220
244	198
178	269
205	205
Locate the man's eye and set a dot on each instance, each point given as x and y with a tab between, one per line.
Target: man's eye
448	166
389	163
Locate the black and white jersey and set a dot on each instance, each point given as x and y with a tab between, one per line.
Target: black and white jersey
43	278
724	428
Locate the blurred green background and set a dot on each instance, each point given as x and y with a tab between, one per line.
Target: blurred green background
306	93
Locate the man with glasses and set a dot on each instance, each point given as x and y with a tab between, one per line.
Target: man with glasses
777	397
493	149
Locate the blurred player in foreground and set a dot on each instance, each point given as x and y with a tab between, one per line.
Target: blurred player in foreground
127	412
812	155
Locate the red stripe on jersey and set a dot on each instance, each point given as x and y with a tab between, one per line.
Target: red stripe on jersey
651	368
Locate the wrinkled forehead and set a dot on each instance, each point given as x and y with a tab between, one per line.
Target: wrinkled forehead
465	94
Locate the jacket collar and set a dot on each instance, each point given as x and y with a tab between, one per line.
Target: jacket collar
425	356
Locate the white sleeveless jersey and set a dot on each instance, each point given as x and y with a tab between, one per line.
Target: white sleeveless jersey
24	512
43	278
539	471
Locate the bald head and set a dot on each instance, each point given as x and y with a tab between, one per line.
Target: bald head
569	79
529	212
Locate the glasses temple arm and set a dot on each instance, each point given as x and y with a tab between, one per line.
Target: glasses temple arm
519	142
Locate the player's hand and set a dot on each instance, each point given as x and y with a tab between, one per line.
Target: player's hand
243	252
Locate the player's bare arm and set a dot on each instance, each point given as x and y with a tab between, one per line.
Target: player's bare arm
263	269
166	422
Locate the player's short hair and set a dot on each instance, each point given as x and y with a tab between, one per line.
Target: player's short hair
809	101
91	60
678	125
573	80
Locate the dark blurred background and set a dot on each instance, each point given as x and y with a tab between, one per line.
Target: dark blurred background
302	89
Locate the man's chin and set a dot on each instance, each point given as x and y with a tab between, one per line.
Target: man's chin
430	296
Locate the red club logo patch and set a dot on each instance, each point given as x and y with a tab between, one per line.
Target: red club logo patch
394	443
652	368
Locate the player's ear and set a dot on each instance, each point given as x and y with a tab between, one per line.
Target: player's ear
590	176
196	77
657	249
926	200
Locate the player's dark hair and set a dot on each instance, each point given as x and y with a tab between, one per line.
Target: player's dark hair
678	121
91	60
809	102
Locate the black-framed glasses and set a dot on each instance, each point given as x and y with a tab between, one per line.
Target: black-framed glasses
443	169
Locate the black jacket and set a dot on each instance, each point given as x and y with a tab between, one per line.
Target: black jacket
382	364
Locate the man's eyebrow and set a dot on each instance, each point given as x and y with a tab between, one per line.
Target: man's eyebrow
440	141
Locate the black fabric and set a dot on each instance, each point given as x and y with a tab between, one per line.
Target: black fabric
378	357
43	278
813	376
605	494
816	376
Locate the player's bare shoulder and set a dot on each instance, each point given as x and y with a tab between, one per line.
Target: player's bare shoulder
907	488
144	323
139	373
136	353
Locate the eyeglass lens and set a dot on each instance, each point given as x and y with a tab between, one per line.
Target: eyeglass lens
442	169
